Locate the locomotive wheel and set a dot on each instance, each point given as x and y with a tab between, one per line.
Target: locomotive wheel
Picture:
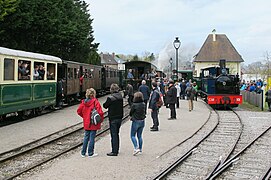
38	110
25	114
2	118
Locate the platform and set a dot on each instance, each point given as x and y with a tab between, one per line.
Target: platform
18	134
125	165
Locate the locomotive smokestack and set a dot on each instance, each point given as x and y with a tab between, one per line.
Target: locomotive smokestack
222	63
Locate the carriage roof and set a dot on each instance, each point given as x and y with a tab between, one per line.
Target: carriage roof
19	53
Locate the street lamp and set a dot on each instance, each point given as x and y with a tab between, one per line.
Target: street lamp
177	44
171	61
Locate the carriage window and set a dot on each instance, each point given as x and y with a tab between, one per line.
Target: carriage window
75	73
24	72
8	69
36	75
85	73
51	71
78	73
91	73
111	73
70	73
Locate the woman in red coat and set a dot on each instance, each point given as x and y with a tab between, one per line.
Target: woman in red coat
84	110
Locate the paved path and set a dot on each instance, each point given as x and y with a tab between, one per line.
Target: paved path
126	166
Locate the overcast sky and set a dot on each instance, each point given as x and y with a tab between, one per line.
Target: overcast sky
137	26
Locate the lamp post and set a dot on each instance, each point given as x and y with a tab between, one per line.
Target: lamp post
177	44
170	61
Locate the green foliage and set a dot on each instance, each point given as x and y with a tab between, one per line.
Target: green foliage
57	27
7	7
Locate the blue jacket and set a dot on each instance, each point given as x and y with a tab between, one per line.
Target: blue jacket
145	91
154	99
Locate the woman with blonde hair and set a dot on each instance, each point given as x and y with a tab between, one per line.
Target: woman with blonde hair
84	110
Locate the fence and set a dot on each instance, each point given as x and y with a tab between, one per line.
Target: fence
254	98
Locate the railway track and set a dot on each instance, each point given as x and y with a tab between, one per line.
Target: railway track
252	162
220	136
20	160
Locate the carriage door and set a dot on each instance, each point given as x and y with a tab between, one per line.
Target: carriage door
103	83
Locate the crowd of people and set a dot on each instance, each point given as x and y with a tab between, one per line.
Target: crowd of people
258	87
166	92
253	86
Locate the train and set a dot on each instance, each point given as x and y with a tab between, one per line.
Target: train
24	94
219	88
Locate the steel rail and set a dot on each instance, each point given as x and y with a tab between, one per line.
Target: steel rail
55	155
230	161
267	174
221	161
186	138
30	146
167	170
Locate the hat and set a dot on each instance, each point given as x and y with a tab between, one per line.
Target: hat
171	82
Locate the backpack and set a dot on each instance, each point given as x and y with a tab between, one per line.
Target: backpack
160	102
95	116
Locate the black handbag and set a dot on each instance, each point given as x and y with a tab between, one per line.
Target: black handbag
95	116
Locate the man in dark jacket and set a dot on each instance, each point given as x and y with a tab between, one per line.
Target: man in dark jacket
114	103
145	90
171	98
153	106
130	93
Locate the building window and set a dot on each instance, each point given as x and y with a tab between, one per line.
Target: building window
9	69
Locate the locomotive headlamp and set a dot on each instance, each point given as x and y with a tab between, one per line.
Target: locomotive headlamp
224	71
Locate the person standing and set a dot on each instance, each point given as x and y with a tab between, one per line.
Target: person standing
268	98
190	93
195	86
145	90
130	93
177	86
171	98
138	116
81	82
84	110
130	74
114	103
153	106
183	88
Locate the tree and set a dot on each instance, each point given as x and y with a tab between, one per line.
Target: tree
7	7
57	27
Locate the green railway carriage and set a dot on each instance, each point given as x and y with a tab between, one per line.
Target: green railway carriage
27	81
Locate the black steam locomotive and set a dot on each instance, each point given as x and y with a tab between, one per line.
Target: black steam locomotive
219	88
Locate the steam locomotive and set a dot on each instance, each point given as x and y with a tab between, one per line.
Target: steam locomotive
219	88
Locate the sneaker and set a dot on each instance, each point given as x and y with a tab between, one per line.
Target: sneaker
82	155
93	155
136	151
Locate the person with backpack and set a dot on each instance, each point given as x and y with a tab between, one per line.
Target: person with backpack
138	116
171	98
190	93
84	110
153	106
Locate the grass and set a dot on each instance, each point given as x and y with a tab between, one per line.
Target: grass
249	107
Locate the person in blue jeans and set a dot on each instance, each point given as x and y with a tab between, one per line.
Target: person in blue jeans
84	110
138	116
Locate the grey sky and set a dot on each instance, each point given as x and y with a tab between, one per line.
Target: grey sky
137	26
